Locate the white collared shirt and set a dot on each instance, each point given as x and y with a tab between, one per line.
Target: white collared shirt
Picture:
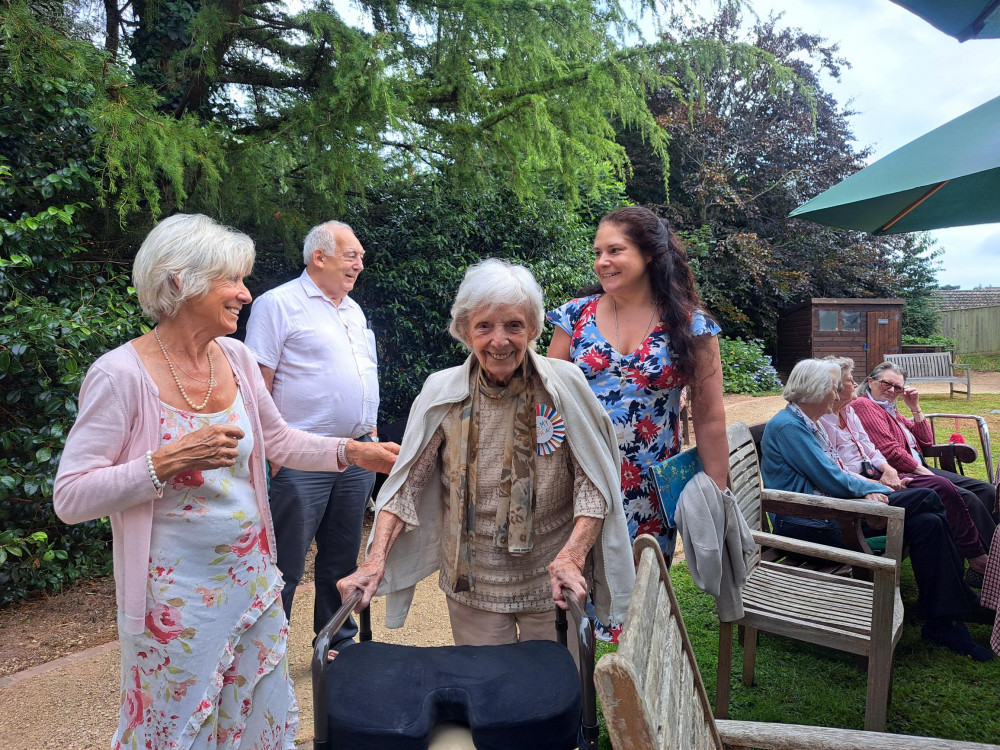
323	357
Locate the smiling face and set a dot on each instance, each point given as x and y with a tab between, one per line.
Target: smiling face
499	339
887	386
220	306
618	262
336	274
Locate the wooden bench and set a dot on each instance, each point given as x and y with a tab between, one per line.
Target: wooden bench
654	699
934	367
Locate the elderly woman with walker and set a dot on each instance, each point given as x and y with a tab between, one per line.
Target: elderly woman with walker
507	481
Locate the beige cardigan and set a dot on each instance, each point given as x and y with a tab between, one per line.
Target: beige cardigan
416	553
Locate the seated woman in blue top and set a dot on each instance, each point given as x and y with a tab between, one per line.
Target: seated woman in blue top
796	456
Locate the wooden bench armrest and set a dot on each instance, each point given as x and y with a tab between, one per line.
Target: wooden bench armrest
820	506
769	736
833	554
967	368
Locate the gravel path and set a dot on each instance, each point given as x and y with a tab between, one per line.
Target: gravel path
72	703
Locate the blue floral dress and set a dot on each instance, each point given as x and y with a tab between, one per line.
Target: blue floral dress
641	392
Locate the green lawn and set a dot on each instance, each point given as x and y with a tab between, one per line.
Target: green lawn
935	692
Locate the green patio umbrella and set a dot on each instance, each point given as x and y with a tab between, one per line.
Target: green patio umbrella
962	19
947	178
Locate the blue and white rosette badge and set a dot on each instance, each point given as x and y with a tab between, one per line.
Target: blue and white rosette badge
550	429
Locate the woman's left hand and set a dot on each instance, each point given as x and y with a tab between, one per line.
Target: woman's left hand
911	397
564	572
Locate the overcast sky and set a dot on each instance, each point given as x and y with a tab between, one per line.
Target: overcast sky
906	78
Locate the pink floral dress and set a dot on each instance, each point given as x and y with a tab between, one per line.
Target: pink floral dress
210	669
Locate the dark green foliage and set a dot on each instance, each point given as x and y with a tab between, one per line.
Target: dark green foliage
420	239
745	367
753	135
63	302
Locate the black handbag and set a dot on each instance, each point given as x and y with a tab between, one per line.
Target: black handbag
867	470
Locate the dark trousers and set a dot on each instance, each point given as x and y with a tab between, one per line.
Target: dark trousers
979	497
937	567
328	507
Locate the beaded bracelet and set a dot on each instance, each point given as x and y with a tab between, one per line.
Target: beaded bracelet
152	471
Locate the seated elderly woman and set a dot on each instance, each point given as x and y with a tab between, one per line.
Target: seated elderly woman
796	456
507	481
169	441
900	440
855	449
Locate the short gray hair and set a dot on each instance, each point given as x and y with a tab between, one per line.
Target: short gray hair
811	380
863	389
846	364
321	237
496	283
181	257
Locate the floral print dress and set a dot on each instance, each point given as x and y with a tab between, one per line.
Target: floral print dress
210	669
641	392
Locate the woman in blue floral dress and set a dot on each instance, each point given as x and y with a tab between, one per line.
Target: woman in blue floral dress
640	337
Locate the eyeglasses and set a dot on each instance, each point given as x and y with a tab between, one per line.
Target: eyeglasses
887	386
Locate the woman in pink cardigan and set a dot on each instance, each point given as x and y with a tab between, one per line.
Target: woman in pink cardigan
169	442
900	441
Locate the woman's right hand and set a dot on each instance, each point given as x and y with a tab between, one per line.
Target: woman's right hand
211	447
366	579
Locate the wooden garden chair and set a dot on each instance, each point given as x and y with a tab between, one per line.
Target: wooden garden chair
654	699
863	617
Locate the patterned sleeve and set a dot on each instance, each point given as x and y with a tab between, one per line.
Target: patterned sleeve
565	317
404	502
702	324
587	499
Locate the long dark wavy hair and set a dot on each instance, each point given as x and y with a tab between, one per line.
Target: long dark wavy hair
674	290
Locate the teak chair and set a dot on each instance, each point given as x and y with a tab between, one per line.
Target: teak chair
863	617
654	699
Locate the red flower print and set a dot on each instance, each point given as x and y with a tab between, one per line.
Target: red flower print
631	476
230	675
164	623
647	430
246	543
135	702
667	379
596	361
167	436
265	546
653	526
189	478
638	378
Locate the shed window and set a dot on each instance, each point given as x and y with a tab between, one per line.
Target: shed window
851	321
828	320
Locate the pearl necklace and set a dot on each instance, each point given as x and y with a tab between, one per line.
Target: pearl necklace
211	375
621	368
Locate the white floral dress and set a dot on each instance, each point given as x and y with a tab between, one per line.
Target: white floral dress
210	669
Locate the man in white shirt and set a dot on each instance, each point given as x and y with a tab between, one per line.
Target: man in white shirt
317	356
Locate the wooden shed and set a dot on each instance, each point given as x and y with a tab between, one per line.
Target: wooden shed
863	329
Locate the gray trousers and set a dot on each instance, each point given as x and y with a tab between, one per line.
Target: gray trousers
328	507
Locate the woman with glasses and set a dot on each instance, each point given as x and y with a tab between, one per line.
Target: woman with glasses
859	456
901	441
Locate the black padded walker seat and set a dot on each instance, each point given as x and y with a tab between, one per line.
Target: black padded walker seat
523	696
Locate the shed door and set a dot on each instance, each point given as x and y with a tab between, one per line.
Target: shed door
884	336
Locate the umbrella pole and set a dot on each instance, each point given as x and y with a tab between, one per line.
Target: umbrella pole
905	211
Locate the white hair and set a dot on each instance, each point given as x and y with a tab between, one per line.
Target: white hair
496	283
321	237
811	380
846	364
181	257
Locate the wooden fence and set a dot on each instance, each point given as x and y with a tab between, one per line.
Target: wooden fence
975	330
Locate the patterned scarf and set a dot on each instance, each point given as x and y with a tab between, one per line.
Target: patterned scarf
819	433
516	495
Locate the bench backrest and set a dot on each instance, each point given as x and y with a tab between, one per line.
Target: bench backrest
928	365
